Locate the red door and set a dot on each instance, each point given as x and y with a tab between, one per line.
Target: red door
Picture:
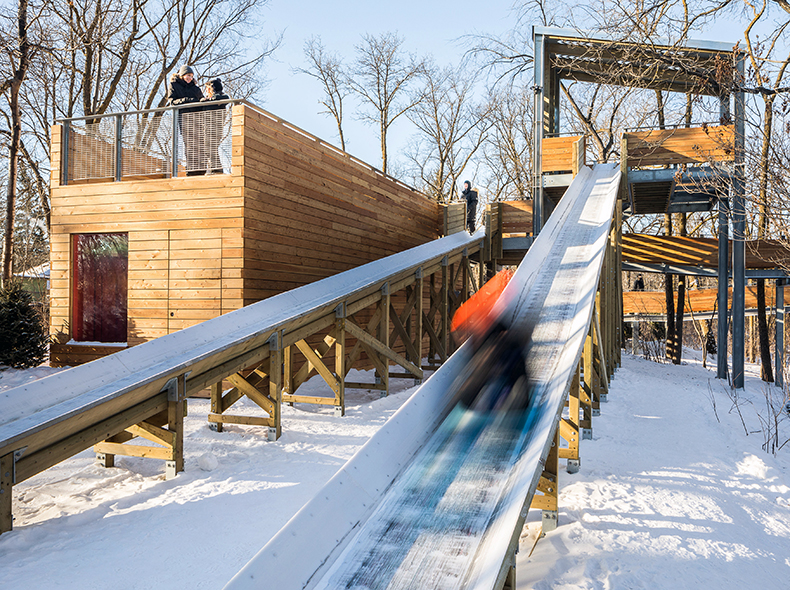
99	312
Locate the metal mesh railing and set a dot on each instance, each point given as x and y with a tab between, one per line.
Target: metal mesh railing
146	146
142	144
91	150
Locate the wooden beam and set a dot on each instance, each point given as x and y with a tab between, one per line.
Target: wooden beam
382	349
253	393
340	359
6	495
153	433
30	465
315	360
418	328
247	420
276	384
384	337
356	351
175	423
216	401
144	452
548	485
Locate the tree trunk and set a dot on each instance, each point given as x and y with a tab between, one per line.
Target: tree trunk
670	297
766	368
676	358
16	133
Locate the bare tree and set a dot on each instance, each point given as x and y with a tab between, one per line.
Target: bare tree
328	69
19	58
90	57
383	76
452	128
507	151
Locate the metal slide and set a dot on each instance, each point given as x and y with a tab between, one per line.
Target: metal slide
437	498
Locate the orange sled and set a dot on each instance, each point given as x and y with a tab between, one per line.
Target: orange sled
474	316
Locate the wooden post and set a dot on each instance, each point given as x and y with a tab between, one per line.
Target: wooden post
465	275
275	383
288	377
384	336
340	356
569	429
6	496
175	424
548	485
586	391
418	329
216	403
444	309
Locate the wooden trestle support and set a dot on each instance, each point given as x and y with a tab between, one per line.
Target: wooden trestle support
589	386
390	327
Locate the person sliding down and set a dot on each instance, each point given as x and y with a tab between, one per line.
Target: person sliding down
495	378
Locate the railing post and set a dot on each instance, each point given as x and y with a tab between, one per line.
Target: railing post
174	162
118	149
64	147
276	383
419	285
340	358
444	309
6	483
384	336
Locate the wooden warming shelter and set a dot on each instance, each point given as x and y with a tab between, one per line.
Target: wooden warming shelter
144	244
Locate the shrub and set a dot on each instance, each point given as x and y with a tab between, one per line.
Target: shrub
23	336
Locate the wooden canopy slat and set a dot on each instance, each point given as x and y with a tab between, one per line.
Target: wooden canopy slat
697	300
681	146
641	248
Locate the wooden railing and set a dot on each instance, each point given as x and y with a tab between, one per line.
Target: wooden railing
695	145
563	154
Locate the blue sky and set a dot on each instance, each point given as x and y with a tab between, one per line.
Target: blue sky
428	27
433	27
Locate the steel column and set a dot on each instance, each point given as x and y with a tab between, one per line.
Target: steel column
780	334
723	283
537	164
738	243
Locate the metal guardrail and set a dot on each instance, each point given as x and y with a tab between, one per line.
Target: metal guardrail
168	142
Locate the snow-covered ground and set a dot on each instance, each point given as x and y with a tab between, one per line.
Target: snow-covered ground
668	496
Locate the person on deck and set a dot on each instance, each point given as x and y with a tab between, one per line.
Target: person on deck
214	121
639	283
183	90
470	196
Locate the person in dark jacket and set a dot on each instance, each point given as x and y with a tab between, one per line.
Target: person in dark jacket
214	121
470	197
183	90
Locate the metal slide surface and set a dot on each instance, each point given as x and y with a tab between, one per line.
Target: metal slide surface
437	498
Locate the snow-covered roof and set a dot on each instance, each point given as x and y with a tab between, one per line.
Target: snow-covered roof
37	272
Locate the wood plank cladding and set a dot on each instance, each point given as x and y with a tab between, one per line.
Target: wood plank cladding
760	254
516	217
681	146
697	300
312	211
293	210
557	153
